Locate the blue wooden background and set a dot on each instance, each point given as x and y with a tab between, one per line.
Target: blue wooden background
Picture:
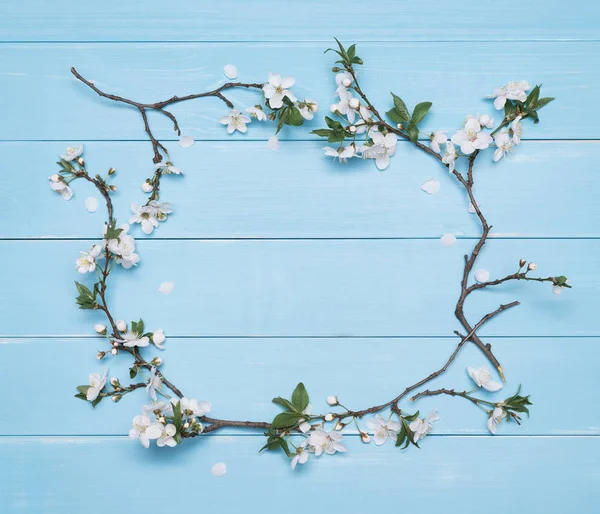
287	267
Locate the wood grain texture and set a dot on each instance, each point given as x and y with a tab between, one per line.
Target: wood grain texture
297	192
303	288
264	20
70	472
240	376
152	72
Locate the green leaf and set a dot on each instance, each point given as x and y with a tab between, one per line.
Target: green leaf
285	420
284	446
177	416
322	132
83	389
544	101
133	371
401	436
401	109
532	98
300	398
394	116
284	403
86	299
420	111
413	132
81	396
97	401
509	110
411	417
333	124
295	118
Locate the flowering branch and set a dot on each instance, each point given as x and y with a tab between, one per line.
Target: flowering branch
177	417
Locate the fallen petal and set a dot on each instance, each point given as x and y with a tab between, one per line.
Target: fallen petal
431	186
186	141
482	275
273	143
218	469
448	240
166	287
91	204
230	71
471	209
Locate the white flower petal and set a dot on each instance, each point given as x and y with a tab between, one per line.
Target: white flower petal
273	143
218	469
91	204
166	287
431	186
482	275
448	240
186	141
230	71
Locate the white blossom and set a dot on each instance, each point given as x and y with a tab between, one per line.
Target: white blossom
277	89
162	408
470	137
86	263
154	383
99	328
496	417
158	338
438	138
343	81
504	143
382	429
193	407
124	248
517	130
167	168
131	339
328	442
383	148
160	209
512	91
449	156
235	121
97	383
140	425
301	454
72	153
146	187
342	153
144	216
121	325
60	186
483	378
163	434
485	121
257	112
304	426
308	109
422	426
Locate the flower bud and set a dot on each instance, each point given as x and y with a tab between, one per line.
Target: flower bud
365	438
162	419
522	263
81	161
532	266
112	188
111	171
114	351
400	126
347	82
339	426
116	398
114	381
335	69
333	107
186	425
332	400
100	329
100	355
354	103
352	129
146	187
157	361
329	416
121	326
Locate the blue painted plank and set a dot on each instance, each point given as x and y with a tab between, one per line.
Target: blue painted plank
386	20
448	474
240	376
416	71
303	288
299	193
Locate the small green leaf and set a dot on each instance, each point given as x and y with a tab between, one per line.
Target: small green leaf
544	101
413	132
285	420
294	118
81	396
97	401
133	371
83	389
532	98
284	446
284	403
420	111
401	109
300	398
177	415
393	115
411	417
322	132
